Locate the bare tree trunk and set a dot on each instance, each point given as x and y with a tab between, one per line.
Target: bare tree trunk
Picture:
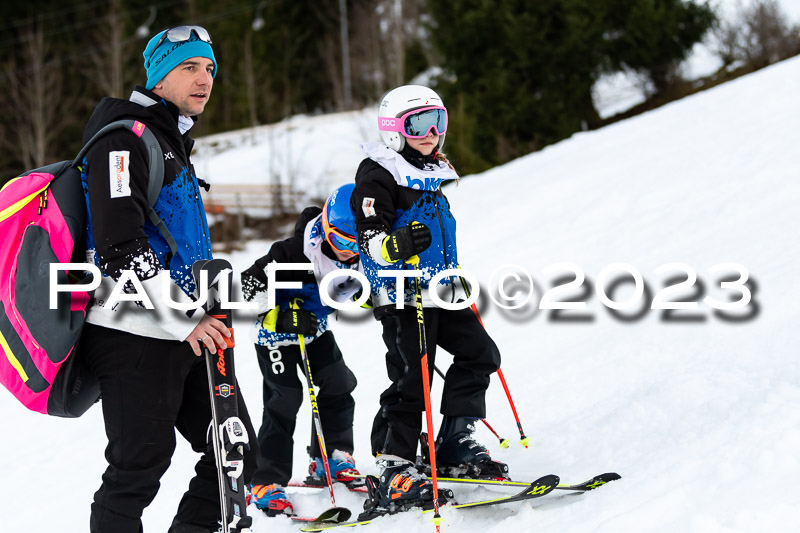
344	37
399	43
371	41
35	100
331	47
191	9
7	171
250	80
329	52
108	53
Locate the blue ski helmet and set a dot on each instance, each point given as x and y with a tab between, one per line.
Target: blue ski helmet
339	221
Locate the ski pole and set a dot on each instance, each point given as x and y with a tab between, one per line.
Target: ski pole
314	409
524	440
503	442
426	389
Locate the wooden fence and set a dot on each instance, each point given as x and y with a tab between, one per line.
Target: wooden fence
258	201
237	213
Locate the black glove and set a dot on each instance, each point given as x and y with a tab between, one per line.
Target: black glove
253	281
297	321
406	242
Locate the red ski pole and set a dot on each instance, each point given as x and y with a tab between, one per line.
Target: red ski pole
503	442
524	440
426	389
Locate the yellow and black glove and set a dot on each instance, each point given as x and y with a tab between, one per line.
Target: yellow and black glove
297	321
406	242
365	305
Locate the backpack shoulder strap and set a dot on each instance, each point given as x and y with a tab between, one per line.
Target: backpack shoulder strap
156	156
155	163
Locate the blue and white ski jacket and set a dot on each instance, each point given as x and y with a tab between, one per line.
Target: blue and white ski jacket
120	237
305	246
390	193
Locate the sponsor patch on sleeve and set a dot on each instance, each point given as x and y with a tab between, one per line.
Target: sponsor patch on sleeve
368	207
119	174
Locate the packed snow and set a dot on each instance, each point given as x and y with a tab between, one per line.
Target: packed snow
698	410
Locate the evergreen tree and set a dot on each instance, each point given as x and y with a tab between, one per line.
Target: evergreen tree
653	36
523	71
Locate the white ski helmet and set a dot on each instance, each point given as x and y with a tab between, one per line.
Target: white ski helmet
400	101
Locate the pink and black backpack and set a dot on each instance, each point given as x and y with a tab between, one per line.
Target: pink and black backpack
43	221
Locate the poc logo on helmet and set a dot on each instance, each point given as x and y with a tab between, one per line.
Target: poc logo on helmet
387	122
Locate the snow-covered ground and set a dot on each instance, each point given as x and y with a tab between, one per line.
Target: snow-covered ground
701	417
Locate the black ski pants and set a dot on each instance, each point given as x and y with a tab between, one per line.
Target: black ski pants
149	388
283	395
397	426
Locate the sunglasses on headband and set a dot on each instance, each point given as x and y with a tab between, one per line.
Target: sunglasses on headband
417	123
180	34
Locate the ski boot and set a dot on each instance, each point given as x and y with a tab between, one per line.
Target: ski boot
458	454
341	464
271	499
399	488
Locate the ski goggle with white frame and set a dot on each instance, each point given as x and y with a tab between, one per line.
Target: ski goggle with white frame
416	124
180	34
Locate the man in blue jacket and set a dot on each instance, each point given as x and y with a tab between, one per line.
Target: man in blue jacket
146	360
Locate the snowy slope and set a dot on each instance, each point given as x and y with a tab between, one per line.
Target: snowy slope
699	417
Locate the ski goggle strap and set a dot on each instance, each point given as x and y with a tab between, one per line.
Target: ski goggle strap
180	34
339	241
418	123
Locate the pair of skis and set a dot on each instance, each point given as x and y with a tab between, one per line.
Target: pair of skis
536	489
227	432
590	484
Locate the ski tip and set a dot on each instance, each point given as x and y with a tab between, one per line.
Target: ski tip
334	515
330	517
325	526
197	266
543	485
602	479
595	482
